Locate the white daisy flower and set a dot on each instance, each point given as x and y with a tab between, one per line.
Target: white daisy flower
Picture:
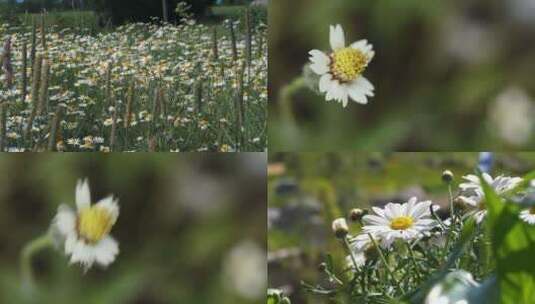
472	192
406	221
528	215
500	184
341	70
86	230
358	245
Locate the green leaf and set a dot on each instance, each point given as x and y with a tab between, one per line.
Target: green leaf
467	234
514	249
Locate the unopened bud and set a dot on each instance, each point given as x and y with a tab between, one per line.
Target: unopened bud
340	227
356	214
447	176
322	267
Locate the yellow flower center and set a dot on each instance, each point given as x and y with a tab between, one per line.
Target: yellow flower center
532	210
401	223
94	223
347	64
482	206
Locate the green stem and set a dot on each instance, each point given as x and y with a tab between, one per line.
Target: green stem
413	259
452	212
351	253
383	259
334	277
26	255
286	98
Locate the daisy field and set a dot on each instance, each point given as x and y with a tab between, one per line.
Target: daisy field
401	228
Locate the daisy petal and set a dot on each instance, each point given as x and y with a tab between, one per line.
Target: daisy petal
337	38
111	205
83	196
317	56
83	254
325	83
65	220
319	68
106	250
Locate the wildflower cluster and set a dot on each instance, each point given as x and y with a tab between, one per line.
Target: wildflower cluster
189	87
415	252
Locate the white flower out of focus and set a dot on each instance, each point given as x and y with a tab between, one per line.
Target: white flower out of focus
245	270
341	70
472	192
453	289
85	231
408	221
528	215
511	116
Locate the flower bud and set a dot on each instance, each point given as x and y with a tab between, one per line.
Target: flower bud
447	176
356	214
340	227
322	267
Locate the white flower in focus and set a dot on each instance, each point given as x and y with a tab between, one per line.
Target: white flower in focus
341	70
406	221
528	215
86	230
472	192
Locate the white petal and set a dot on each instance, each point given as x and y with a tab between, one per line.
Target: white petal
336	37
65	220
374	220
396	209
70	243
360	45
366	85
83	196
358	97
388	211
421	209
334	91
379	211
83	254
365	48
317	56
106	250
344	98
111	205
319	68
325	82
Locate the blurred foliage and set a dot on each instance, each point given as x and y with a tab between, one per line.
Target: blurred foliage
181	217
439	69
305	188
513	247
119	12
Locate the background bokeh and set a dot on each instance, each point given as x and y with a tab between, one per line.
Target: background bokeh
192	228
306	191
449	75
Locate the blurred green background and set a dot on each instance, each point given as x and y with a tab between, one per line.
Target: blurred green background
191	229
306	191
449	75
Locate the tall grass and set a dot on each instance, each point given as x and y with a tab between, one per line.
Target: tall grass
141	87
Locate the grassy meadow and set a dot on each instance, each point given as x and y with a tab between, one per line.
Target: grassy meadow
137	87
